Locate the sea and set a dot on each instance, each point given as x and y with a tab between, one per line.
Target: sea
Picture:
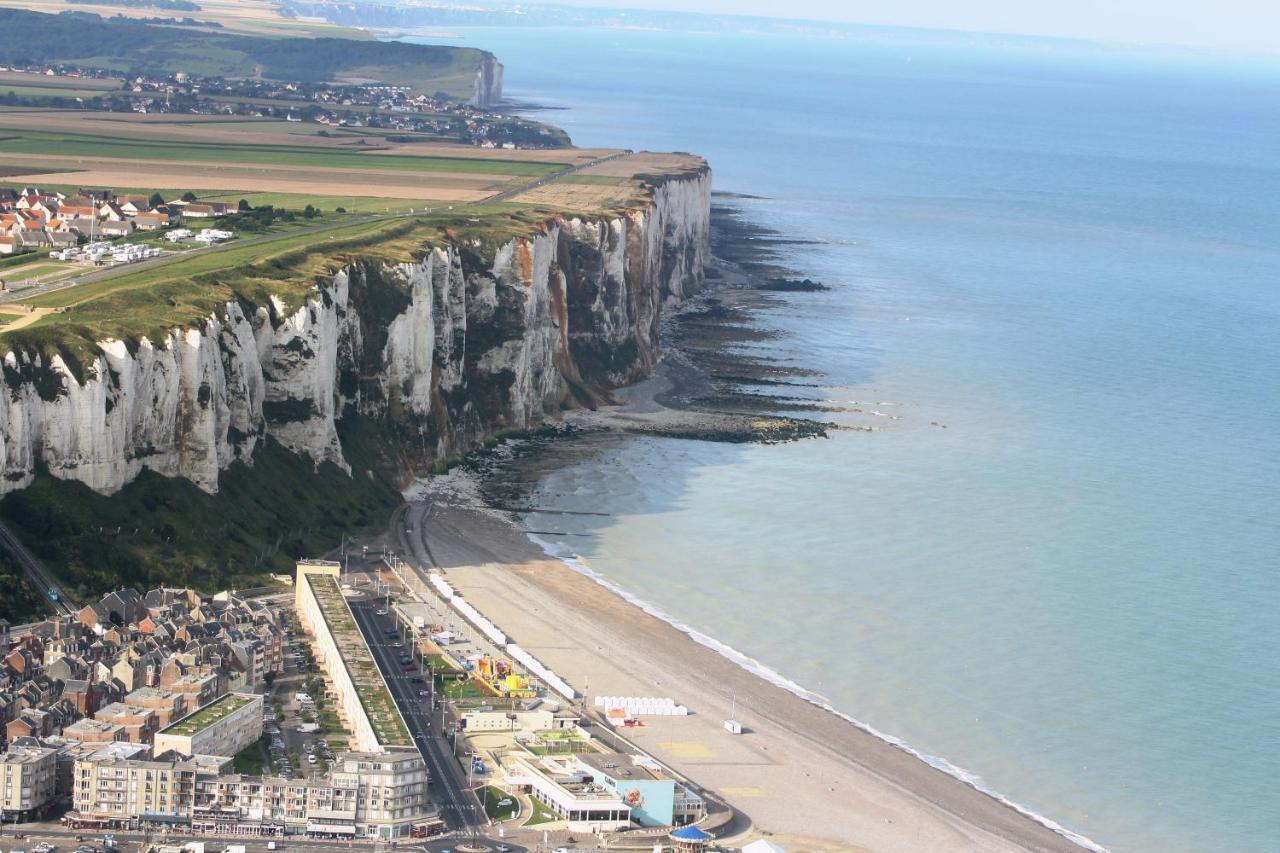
1054	270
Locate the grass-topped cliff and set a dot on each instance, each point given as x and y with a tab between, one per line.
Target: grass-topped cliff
420	357
148	303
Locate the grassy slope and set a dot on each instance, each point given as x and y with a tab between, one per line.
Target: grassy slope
128	46
20	602
165	530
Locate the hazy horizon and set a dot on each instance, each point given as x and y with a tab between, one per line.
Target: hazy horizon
1231	25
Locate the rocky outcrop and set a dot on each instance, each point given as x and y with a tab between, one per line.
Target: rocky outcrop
462	342
488	87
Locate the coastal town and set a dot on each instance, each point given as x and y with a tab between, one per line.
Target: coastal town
359	700
352	108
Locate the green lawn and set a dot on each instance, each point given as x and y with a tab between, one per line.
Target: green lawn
491	798
251	761
463	689
85	145
541	814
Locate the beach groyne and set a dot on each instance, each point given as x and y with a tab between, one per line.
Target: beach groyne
479	334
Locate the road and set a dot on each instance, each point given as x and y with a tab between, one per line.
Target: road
65	841
108	272
458	805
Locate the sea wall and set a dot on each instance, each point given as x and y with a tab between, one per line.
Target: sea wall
448	349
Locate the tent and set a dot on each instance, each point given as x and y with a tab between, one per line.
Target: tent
763	846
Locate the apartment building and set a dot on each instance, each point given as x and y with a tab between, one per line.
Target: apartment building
340	648
111	790
223	727
368	795
28	776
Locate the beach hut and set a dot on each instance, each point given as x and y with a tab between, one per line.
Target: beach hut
689	839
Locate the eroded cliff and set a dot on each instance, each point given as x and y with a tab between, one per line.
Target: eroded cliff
471	337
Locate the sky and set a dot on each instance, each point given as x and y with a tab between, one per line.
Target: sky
1245	25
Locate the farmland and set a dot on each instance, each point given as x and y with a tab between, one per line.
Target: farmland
261	160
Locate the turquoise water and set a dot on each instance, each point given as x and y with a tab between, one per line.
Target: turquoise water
1073	262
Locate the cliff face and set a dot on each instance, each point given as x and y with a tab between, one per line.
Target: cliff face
488	88
448	349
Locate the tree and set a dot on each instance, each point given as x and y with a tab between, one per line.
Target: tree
310	212
244	206
339	210
188	196
156	200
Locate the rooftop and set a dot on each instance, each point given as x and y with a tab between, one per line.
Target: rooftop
24	754
617	766
216	710
388	726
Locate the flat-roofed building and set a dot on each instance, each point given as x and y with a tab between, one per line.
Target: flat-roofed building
223	727
340	648
28	777
94	731
168	705
113	791
603	791
520	721
139	724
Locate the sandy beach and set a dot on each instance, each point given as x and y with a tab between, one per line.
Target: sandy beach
804	776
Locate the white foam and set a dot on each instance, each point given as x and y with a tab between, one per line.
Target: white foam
753	666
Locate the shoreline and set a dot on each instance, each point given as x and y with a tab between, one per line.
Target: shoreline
805	774
897	797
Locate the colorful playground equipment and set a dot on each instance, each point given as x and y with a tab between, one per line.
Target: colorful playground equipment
501	679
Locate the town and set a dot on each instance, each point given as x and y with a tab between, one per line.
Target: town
376	106
359	700
32	218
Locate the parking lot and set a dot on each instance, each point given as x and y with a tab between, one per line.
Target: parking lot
301	727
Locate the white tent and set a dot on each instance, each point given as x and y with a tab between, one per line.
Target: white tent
763	846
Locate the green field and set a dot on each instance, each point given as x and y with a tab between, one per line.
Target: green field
124	45
48	92
77	145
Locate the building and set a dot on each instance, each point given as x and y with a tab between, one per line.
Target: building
368	795
603	791
560	785
168	705
94	731
340	648
655	797
28	777
118	792
223	727
521	721
138	725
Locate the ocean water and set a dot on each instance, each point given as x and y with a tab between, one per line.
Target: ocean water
1056	277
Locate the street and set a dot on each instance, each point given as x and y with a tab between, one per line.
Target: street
458	806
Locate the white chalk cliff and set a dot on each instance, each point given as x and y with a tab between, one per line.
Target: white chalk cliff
450	348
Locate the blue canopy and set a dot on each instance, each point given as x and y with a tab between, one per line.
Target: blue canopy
690	833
